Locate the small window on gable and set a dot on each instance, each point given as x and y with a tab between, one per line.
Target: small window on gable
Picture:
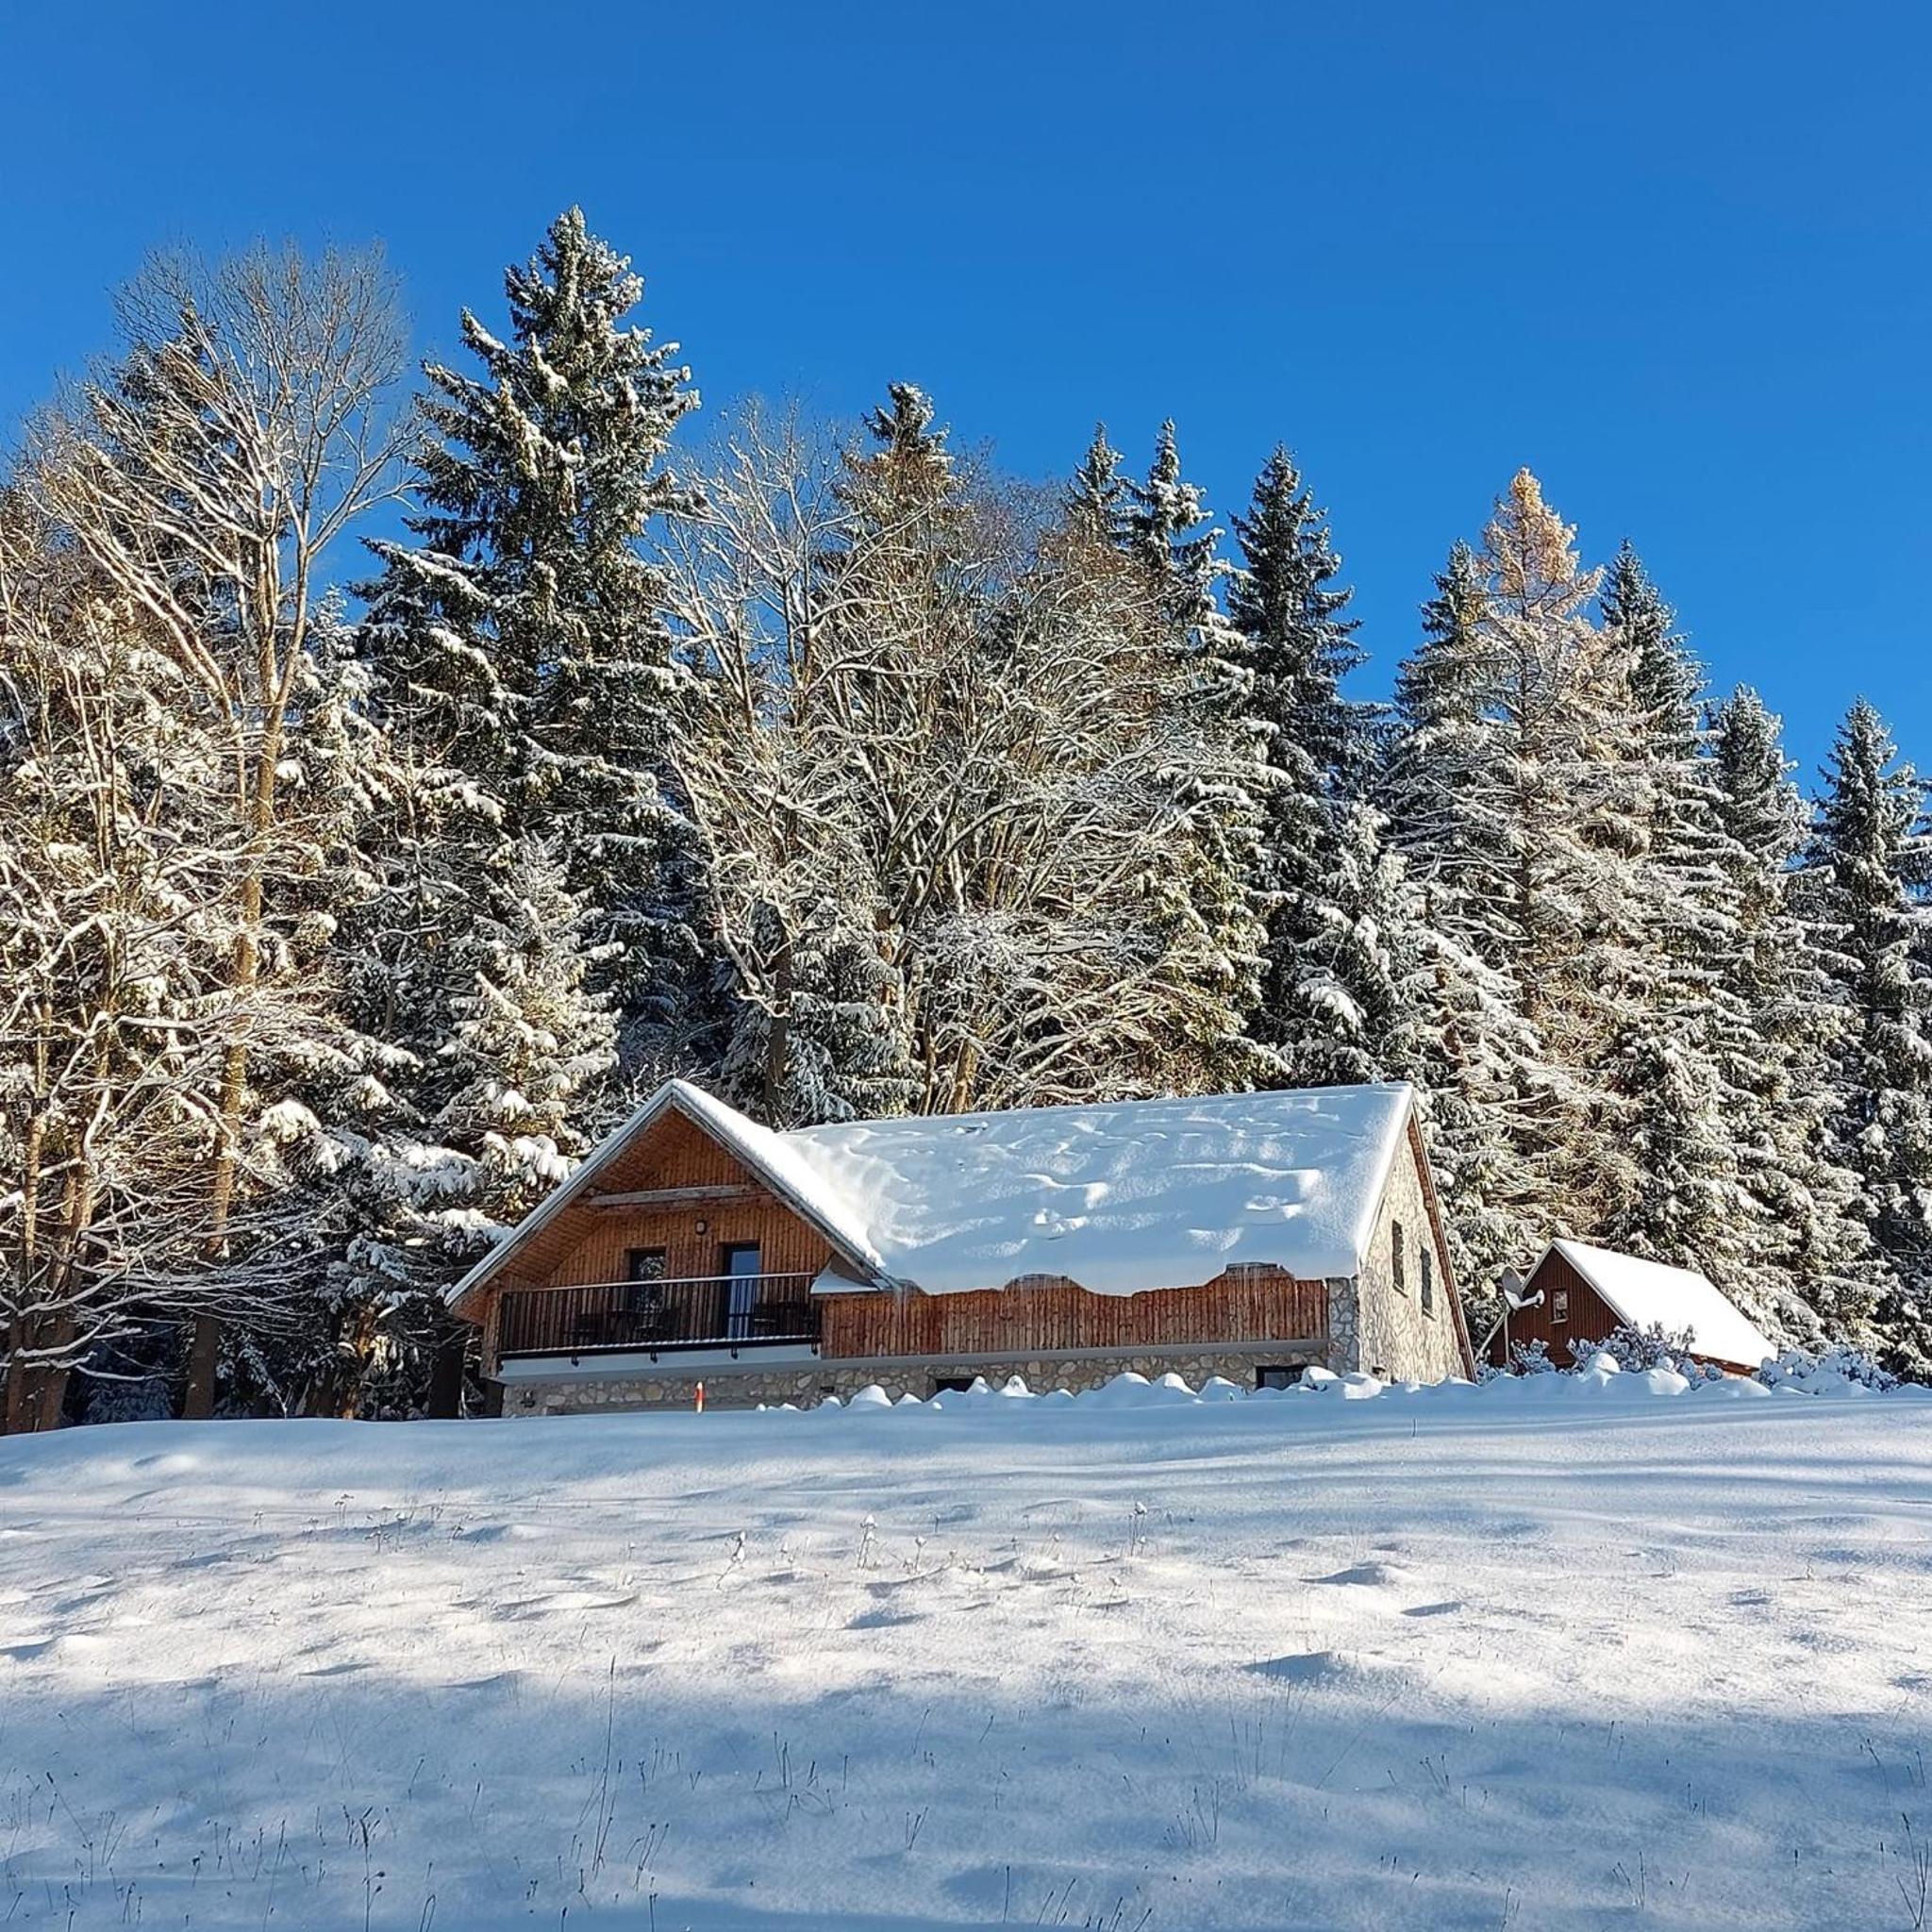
1399	1255
1560	1305
1279	1377
1428	1274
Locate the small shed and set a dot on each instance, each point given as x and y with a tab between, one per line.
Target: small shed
1577	1294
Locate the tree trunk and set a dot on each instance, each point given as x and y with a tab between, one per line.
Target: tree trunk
779	1037
199	1388
34	1392
446	1372
50	1397
13	1397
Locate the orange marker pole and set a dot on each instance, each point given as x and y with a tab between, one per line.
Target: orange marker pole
698	1399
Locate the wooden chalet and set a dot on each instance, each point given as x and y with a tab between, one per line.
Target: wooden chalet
1577	1295
1244	1235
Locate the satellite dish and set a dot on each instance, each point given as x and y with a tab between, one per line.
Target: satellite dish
1512	1285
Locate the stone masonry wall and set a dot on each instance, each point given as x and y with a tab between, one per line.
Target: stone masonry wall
1396	1335
807	1383
1344	1340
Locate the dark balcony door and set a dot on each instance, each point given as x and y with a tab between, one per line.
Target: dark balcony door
742	1269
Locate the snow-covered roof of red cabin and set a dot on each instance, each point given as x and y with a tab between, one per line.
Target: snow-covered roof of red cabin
1641	1292
1118	1197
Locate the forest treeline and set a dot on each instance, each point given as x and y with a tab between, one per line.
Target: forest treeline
357	872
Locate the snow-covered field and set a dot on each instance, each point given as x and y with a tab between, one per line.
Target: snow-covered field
1533	1656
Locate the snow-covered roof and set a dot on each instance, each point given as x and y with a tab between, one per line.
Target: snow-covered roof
1641	1292
1120	1198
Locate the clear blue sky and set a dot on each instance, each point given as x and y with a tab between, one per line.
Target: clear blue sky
1674	256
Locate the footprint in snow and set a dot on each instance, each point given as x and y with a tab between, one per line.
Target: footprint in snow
1304	1667
559	1601
1373	1574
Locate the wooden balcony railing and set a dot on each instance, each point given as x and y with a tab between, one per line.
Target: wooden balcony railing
707	1311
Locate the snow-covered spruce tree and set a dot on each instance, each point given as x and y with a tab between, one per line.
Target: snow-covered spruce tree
1445	789
1682	1039
1095	501
530	1040
522	625
1332	1006
1865	874
474	1070
1211	901
1805	1243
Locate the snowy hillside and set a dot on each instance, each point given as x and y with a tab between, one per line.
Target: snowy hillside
1543	1656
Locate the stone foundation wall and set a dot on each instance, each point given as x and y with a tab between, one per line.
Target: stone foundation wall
805	1384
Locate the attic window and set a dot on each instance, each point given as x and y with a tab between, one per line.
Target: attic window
1428	1268
1400	1256
1560	1305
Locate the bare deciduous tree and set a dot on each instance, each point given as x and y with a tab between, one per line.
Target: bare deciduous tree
934	727
203	481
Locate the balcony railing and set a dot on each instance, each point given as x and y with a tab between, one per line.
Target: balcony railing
707	1311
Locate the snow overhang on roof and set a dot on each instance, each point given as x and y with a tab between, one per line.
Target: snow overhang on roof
1646	1293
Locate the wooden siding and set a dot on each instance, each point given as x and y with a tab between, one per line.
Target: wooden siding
1590	1318
1048	1318
589	1242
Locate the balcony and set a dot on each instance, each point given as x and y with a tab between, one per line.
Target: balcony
731	1311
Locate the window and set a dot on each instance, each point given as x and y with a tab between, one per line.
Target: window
1400	1256
1560	1305
1284	1375
952	1385
644	1269
1428	1271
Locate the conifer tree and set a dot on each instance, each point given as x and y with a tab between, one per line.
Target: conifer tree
1445	789
1560	913
1169	530
1331	1007
1208	901
521	631
1866	873
529	1040
1095	500
1682	1038
1806	1251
